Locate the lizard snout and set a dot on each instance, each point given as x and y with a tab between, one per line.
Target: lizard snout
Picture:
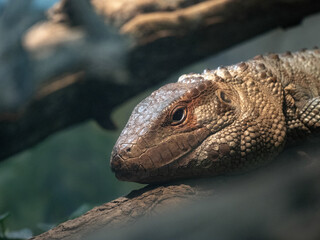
116	163
119	167
120	164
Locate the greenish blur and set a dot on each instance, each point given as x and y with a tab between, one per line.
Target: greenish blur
69	170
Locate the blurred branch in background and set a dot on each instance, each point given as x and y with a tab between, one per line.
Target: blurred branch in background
86	70
17	80
36	81
100	52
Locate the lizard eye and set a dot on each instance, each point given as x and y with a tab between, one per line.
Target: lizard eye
178	115
224	97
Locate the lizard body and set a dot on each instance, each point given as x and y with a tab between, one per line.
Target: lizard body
224	120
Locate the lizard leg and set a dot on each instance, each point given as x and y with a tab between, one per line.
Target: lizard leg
310	115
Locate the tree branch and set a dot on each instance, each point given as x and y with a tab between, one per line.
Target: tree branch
276	202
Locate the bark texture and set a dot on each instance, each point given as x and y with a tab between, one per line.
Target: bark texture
86	70
281	201
123	211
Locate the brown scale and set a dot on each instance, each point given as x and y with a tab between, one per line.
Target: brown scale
232	118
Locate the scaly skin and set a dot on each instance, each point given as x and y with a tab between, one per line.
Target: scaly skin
221	121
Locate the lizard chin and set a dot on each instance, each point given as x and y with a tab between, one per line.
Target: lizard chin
157	163
133	172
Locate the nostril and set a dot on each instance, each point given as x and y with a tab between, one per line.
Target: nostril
116	163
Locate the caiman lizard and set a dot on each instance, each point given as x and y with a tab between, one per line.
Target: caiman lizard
221	121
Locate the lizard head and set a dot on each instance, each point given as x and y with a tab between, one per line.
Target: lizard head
179	131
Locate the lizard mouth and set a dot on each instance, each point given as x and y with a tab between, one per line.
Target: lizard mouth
158	163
